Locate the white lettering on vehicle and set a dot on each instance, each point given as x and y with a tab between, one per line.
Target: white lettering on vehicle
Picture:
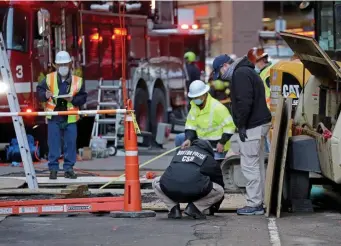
19	71
287	90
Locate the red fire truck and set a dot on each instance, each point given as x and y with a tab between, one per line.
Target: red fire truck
34	31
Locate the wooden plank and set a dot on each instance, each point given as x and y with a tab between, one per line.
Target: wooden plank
286	120
272	156
11	183
80	180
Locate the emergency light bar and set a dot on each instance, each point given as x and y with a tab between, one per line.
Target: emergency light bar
187	27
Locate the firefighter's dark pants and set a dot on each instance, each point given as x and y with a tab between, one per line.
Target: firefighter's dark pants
57	129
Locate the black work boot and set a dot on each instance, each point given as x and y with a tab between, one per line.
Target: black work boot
70	174
175	213
210	211
53	174
192	211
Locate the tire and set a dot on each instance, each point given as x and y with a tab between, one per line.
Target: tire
112	150
158	111
141	109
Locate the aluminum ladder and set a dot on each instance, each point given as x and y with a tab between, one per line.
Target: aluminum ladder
102	122
19	127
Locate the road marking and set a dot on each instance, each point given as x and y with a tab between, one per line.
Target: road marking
273	232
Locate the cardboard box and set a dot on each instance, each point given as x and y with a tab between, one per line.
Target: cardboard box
87	153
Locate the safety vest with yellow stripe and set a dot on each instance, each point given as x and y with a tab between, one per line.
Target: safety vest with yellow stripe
52	84
210	122
264	75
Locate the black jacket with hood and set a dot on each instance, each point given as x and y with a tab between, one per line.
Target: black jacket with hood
190	175
249	107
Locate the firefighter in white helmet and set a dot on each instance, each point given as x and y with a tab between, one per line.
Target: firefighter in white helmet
56	84
208	119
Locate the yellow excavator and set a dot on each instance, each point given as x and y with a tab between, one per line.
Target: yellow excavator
316	110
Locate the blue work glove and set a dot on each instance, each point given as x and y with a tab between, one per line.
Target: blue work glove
242	134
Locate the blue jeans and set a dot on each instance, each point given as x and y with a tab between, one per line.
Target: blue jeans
55	131
180	138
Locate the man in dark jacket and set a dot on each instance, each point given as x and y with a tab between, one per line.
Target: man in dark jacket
193	177
253	119
192	72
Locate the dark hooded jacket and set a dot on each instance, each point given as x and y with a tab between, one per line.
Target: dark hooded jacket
190	175
249	107
193	74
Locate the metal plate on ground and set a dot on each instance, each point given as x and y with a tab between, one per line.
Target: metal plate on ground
6	183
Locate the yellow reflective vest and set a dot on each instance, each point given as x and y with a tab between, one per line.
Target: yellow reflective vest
264	75
52	84
210	122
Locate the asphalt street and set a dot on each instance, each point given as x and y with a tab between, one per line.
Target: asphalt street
321	228
221	230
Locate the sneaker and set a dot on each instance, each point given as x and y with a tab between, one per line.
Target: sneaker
53	174
175	213
251	210
70	174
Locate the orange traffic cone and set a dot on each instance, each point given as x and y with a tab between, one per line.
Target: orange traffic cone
132	191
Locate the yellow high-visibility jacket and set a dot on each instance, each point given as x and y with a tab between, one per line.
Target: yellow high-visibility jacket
264	75
211	122
52	84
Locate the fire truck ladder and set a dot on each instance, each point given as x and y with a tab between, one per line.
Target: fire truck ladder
102	122
18	122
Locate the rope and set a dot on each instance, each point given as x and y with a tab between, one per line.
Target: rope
142	165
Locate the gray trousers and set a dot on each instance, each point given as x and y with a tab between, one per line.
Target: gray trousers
252	164
202	204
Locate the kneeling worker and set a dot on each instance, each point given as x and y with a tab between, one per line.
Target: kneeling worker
193	177
208	119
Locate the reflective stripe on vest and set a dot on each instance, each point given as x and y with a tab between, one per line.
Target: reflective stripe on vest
264	75
211	122
52	84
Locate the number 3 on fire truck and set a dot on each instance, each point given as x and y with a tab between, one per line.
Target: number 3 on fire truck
19	70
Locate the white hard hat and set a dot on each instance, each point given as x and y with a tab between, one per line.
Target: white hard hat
197	88
62	57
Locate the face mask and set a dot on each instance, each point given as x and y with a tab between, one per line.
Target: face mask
198	101
257	70
63	71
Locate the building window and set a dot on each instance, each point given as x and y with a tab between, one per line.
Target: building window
326	38
16	37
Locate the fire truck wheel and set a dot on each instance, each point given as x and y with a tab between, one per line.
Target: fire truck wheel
158	109
141	109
